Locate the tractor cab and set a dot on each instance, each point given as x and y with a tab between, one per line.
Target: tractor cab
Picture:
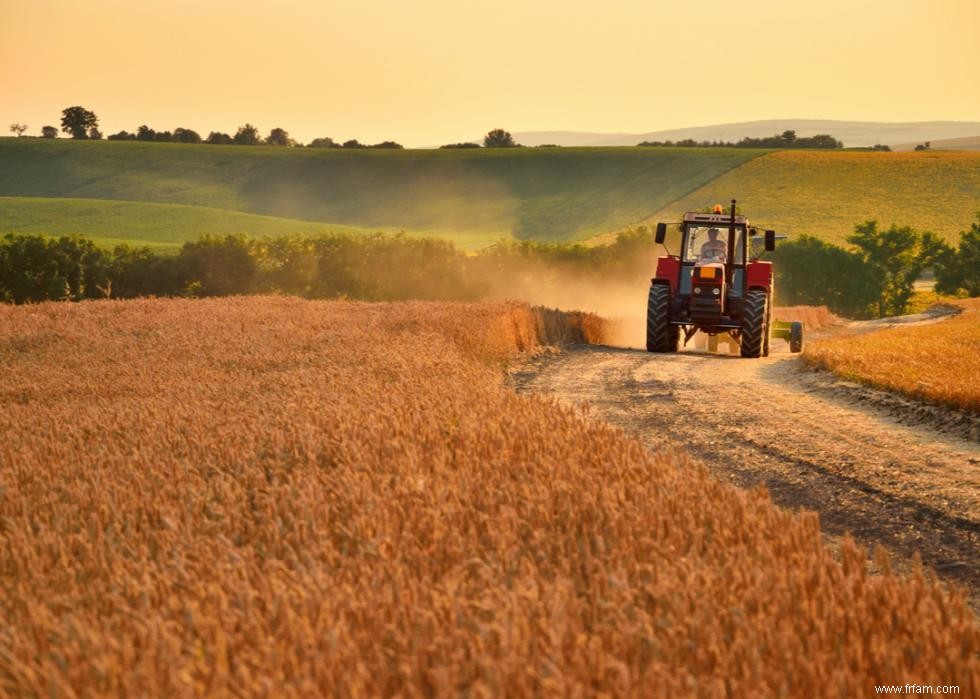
716	285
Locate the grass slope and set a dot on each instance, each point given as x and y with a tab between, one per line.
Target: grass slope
553	194
825	194
158	225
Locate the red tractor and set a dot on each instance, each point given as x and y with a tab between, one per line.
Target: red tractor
717	285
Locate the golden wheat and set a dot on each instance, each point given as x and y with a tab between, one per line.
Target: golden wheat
275	497
937	362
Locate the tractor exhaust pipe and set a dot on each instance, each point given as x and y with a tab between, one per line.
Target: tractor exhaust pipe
730	264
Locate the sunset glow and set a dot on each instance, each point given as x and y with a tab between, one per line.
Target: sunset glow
436	71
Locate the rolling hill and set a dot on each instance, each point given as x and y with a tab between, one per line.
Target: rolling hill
852	133
163	194
471	196
824	194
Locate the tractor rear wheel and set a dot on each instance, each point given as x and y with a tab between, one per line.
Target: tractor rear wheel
754	325
768	334
661	335
796	337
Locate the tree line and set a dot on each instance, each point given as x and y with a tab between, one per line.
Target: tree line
83	124
787	139
875	278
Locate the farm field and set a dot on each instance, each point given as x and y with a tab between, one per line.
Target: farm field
161	226
825	194
936	362
336	497
474	196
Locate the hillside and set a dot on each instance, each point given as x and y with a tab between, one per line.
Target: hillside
824	194
157	225
852	133
467	195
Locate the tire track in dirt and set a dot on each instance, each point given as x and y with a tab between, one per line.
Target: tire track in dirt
772	422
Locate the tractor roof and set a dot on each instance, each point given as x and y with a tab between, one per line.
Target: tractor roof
718	219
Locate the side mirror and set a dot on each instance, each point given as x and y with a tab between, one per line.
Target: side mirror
661	233
770	240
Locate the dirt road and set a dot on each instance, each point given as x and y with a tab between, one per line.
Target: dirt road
844	452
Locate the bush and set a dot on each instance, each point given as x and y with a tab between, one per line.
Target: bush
34	269
182	135
220	139
216	266
959	270
814	273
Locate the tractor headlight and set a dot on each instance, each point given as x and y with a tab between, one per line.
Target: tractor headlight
697	290
716	291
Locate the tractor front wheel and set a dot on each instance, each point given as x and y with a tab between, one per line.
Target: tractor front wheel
661	335
754	325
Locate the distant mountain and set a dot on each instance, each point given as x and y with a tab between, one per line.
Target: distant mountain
852	133
573	138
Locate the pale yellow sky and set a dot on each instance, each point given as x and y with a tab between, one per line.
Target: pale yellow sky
436	71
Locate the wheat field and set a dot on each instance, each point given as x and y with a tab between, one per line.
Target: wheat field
937	362
273	497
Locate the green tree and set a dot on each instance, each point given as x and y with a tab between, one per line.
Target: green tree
960	270
216	266
325	142
247	135
145	133
34	269
182	135
77	121
279	137
812	272
896	258
220	139
49	132
498	138
141	272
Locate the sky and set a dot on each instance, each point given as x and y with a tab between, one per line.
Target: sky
429	72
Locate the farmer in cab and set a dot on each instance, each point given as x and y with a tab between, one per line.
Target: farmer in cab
713	250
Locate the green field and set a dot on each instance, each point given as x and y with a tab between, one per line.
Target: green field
471	196
824	194
157	225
